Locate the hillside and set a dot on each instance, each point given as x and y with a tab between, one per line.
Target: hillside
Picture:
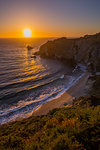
71	128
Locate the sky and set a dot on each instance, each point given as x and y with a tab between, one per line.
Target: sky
49	18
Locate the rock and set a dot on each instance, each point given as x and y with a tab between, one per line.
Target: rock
36	53
33	56
93	86
95	90
85	50
58	49
88	52
29	47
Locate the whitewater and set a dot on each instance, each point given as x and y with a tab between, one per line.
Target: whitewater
25	82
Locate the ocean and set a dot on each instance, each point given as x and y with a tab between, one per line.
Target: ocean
25	82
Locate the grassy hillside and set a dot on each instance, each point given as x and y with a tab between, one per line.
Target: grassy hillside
70	128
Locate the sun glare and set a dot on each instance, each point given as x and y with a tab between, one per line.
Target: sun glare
27	33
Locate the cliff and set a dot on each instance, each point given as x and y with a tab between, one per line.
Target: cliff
84	50
60	49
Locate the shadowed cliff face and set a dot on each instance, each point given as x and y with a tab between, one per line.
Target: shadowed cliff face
60	49
85	50
88	52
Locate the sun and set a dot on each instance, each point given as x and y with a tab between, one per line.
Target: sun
27	33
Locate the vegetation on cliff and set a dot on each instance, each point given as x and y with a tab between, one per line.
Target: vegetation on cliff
71	128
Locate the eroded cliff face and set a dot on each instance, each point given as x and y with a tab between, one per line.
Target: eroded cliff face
95	88
60	49
88	52
85	50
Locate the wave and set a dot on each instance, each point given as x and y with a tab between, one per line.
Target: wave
25	83
26	108
27	80
14	97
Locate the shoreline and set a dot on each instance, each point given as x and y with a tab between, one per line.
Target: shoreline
75	91
65	99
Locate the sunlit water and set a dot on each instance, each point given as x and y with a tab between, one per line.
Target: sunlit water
26	82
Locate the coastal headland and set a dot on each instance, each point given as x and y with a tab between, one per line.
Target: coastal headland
71	121
84	50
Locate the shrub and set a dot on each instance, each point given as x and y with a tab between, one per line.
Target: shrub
71	128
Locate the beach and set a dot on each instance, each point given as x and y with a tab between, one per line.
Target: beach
34	86
75	91
27	83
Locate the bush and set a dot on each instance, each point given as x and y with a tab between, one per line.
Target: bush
71	128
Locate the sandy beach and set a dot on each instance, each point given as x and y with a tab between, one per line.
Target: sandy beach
75	91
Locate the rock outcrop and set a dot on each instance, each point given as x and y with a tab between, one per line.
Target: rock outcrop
61	48
84	50
94	86
88	52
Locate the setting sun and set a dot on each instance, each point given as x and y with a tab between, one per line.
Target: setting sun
27	33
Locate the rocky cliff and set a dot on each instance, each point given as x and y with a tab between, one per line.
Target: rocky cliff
61	48
84	50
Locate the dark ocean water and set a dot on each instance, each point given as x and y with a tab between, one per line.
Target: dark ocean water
25	82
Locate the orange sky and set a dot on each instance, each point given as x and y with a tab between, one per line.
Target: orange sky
49	18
